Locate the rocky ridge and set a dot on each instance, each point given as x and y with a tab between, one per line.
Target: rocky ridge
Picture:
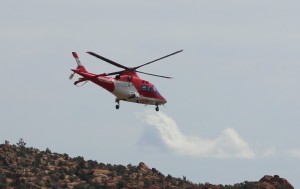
22	167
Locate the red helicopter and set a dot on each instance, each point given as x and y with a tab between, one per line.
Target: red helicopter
126	85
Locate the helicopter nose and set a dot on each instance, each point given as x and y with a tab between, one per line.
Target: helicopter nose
164	101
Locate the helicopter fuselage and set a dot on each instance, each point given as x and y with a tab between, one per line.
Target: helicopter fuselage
126	87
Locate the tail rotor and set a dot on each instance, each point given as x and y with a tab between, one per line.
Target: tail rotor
80	67
76	58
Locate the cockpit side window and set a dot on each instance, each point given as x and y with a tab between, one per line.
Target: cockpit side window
146	88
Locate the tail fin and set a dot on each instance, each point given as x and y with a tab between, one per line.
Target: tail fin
80	66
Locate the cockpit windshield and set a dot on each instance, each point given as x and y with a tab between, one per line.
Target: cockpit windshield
149	89
155	90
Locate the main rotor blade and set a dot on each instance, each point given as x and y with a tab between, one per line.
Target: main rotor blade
107	60
107	74
115	73
157	59
155	75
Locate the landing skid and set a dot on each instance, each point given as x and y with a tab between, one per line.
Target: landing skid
118	105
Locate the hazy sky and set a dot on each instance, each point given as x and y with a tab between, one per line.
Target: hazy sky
233	106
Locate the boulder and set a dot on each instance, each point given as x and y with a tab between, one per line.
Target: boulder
143	167
100	172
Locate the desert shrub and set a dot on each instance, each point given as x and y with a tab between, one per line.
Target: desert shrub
228	187
126	177
248	185
71	171
48	151
72	178
121	184
111	174
3	178
147	183
37	160
102	166
54	176
21	186
63	185
169	178
9	174
80	161
62	176
35	170
120	169
129	166
66	156
84	176
48	183
92	164
21	143
3	185
3	181
80	186
110	167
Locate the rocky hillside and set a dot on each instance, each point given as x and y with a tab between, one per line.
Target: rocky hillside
22	167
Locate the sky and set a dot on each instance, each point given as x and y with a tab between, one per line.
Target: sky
233	106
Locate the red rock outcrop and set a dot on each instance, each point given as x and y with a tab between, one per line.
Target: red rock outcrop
273	181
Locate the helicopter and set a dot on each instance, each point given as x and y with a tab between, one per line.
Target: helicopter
126	85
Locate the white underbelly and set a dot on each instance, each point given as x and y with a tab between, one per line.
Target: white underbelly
124	90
